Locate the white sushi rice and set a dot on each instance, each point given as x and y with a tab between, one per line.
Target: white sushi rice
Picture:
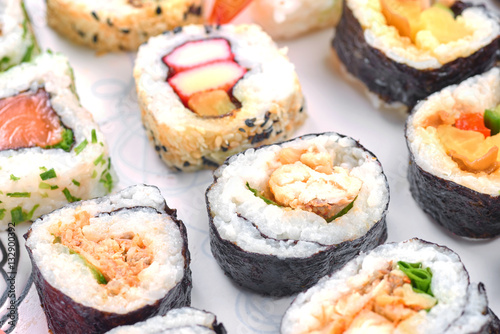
160	234
178	320
270	85
287	19
459	308
234	207
20	169
16	37
485	28
474	95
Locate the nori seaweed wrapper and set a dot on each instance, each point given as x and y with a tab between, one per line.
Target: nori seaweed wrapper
461	210
398	82
282	276
64	315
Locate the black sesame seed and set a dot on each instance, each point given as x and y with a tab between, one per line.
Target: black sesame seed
217	27
95	38
279	132
158	10
250	122
157	148
224	149
177	30
209	162
242	130
94	14
164	148
108	21
266	118
301	109
261	136
195	10
208	29
177	169
186	164
125	31
81	33
185	16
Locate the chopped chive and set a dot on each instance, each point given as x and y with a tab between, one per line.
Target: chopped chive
94	136
14	178
50	174
94	174
44	195
70	197
75	182
54	187
101	143
44	185
19	216
57	240
43	169
66	142
2	213
19	194
107	180
109	163
81	147
99	160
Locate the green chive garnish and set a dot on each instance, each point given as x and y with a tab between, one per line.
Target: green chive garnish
50	174
75	182
70	197
19	194
81	147
2	213
94	136
99	160
19	216
14	178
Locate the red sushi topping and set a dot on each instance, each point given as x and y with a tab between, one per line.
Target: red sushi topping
28	120
225	10
472	122
197	53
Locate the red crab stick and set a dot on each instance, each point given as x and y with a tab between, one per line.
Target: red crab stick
225	10
196	53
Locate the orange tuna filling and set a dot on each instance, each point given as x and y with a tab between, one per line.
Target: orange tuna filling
120	259
28	120
385	303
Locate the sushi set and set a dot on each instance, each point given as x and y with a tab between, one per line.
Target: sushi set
183	166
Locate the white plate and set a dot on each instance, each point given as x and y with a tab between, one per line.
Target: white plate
107	89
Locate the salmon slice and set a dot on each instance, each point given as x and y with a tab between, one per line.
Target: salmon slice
225	10
28	120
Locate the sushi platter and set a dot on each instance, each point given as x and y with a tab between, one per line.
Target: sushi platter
338	111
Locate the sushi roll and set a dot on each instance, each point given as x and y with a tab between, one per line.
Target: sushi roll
51	150
185	320
119	24
207	92
17	41
408	287
453	138
110	261
283	216
288	19
400	51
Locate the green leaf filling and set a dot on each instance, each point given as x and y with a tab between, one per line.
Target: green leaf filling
420	278
492	120
70	197
266	200
342	212
50	174
66	142
93	269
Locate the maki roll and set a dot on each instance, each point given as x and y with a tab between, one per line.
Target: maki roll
119	24
408	287
401	51
185	320
51	150
288	19
453	138
207	92
283	216
111	261
17	41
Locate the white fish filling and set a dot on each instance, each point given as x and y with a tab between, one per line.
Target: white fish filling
471	96
174	319
459	306
230	200
159	233
387	39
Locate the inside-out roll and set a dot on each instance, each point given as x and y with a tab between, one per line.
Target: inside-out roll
17	41
284	215
207	92
454	141
402	51
185	320
51	150
110	261
408	287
